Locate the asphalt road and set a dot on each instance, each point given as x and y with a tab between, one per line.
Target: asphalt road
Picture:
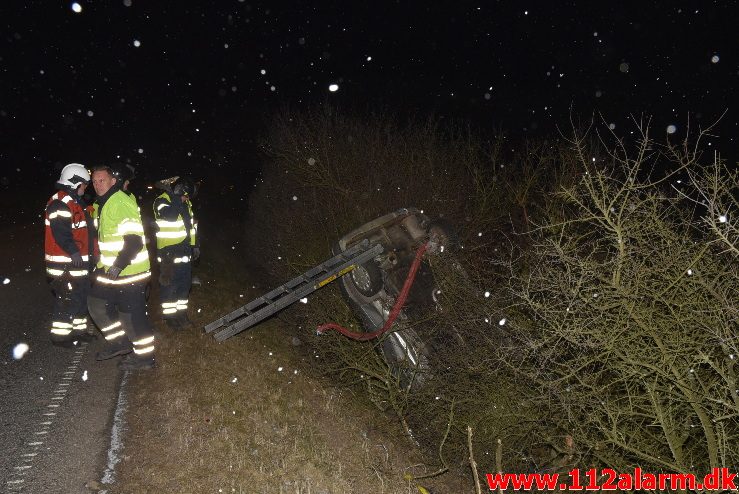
56	405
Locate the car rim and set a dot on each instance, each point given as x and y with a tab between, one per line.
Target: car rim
361	278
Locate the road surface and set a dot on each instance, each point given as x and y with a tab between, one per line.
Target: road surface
56	405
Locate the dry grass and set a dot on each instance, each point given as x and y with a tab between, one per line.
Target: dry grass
224	417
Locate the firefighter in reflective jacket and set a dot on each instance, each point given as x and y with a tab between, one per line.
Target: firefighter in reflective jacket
69	246
121	276
177	247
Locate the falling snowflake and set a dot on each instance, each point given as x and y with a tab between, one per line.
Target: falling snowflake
502	322
714	59
77	8
234	379
723	219
304	300
84	376
136	43
612	126
6	281
671	129
487	294
623	67
279	369
295	198
20	350
690	272
90	113
333	88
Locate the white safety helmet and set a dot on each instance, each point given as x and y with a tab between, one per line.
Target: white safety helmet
73	175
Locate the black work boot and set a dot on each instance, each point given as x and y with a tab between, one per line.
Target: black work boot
135	362
65	343
73	340
184	321
172	323
83	336
118	347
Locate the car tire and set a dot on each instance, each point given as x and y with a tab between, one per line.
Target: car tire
352	296
367	278
403	350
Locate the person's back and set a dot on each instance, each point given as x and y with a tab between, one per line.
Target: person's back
177	247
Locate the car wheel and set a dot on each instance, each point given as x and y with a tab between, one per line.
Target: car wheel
367	278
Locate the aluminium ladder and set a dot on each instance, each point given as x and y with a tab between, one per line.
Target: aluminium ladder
262	307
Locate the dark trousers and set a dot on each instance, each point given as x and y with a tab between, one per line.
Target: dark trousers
69	315
175	280
120	312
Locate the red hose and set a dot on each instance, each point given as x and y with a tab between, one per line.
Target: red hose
399	303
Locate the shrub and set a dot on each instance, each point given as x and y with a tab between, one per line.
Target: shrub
594	320
626	321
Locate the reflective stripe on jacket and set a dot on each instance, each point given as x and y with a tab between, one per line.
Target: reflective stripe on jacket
63	210
118	217
172	231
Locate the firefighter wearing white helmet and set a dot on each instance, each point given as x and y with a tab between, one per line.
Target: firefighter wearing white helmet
69	251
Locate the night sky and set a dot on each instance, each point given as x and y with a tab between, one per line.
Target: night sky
188	85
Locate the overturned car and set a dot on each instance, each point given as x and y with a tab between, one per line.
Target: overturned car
380	273
372	288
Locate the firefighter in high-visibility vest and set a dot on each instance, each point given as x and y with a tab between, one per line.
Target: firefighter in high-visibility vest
69	246
121	276
177	248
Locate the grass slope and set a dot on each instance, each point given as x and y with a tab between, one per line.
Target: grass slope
248	416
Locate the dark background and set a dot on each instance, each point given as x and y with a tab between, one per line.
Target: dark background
192	97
